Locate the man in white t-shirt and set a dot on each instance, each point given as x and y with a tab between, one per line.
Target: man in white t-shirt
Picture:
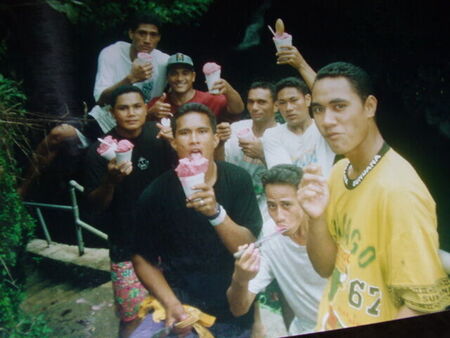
117	65
244	147
298	141
283	257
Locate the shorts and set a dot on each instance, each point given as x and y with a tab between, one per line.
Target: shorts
128	290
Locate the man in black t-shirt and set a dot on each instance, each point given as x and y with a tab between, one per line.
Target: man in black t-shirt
183	246
115	188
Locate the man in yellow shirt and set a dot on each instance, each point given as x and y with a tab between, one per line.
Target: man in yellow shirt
373	226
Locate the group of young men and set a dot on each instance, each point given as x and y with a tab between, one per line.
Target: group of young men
359	243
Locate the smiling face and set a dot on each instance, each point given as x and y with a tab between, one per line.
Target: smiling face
194	134
342	117
284	207
293	106
181	79
130	112
145	38
260	105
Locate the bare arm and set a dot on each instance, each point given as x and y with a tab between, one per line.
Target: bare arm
291	56
101	197
154	281
139	72
235	105
223	130
245	269
231	234
313	196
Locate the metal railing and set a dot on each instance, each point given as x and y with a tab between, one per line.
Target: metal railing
79	224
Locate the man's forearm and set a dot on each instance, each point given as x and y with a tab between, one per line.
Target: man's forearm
235	105
101	197
154	281
239	298
406	312
321	247
307	73
105	95
233	235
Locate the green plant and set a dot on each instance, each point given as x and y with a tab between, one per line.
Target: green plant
16	225
107	14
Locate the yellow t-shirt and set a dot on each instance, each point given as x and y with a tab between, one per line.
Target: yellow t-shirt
385	230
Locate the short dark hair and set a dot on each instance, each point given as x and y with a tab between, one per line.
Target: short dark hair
124	90
264	85
143	19
283	174
292	82
358	77
197	108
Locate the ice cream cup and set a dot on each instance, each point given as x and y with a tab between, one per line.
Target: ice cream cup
188	182
123	156
280	43
109	154
211	79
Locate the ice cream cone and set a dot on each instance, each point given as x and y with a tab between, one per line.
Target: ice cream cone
188	182
123	156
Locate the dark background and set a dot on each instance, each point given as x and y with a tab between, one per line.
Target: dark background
402	44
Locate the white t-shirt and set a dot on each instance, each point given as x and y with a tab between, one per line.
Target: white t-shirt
255	167
282	146
114	64
288	262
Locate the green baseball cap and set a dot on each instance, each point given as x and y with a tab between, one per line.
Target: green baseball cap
180	59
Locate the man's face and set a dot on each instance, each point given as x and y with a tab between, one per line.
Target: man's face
130	112
145	38
194	134
340	114
293	106
180	79
284	207
260	105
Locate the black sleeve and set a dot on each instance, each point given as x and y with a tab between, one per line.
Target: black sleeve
95	168
244	208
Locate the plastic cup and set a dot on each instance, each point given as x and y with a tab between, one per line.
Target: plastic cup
211	79
280	43
109	154
123	156
189	181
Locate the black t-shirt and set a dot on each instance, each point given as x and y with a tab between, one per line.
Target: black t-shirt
193	258
150	158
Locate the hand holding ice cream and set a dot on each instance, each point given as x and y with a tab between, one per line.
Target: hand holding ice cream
281	38
141	69
191	171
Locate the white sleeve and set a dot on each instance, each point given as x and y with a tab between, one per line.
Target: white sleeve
105	74
274	151
262	279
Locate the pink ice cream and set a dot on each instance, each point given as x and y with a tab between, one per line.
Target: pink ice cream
210	67
191	166
103	147
282	36
144	57
124	146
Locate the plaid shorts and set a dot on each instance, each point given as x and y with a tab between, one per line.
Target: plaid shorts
128	290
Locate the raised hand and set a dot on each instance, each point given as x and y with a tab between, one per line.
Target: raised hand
160	109
247	266
164	132
313	193
252	148
140	71
116	172
223	130
203	201
220	87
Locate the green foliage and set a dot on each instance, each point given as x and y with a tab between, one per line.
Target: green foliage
16	226
107	14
